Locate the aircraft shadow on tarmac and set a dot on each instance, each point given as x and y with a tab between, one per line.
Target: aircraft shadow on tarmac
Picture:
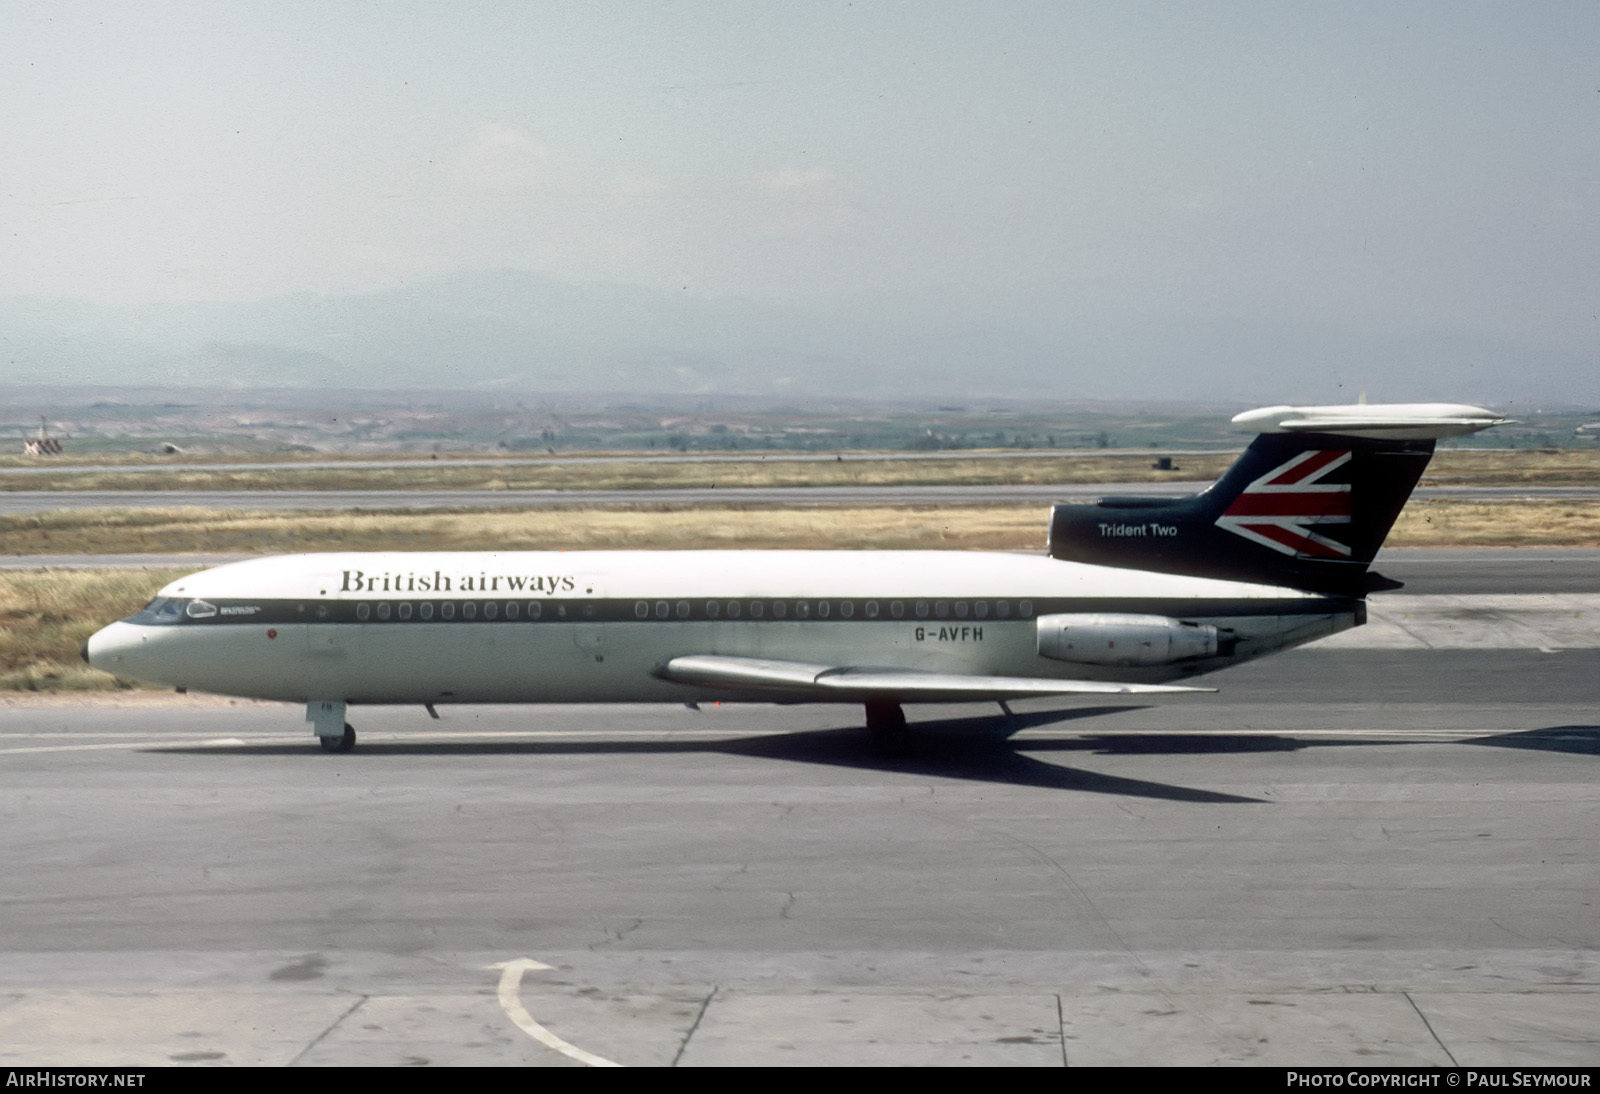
978	749
1575	740
981	749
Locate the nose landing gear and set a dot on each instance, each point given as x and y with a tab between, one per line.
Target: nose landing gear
334	734
342	743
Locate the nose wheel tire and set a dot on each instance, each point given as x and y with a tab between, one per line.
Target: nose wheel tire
342	743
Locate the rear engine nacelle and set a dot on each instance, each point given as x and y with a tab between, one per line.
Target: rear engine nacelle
1117	639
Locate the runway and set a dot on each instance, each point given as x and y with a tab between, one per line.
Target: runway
601	458
1346	857
22	502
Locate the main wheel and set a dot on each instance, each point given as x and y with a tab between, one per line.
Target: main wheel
887	724
342	743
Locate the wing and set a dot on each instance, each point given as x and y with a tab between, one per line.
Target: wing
844	684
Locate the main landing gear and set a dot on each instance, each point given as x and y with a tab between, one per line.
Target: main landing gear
887	724
334	734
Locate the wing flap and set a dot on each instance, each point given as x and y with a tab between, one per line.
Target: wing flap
848	684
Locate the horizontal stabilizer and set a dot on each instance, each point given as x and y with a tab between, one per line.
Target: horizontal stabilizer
1392	421
855	684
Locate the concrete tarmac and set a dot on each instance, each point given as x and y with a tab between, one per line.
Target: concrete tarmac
1346	857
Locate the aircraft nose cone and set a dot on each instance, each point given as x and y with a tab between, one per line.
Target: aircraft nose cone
104	647
125	650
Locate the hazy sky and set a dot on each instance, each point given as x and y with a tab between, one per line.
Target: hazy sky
1419	165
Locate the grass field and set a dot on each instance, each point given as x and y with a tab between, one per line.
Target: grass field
559	474
1437	522
45	617
1563	467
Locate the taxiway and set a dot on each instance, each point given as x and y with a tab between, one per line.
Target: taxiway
1346	857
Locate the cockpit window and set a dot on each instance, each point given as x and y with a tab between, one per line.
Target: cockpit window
162	610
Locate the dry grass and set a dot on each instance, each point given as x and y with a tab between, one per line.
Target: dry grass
773	471
198	531
1512	522
45	617
1543	467
1563	467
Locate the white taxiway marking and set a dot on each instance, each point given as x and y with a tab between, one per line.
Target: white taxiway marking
511	1002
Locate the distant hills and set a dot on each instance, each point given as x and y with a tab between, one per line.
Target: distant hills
519	331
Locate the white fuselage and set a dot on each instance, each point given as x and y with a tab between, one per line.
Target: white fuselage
552	627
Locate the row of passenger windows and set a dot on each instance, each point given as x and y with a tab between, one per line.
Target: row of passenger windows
825	609
384	611
449	609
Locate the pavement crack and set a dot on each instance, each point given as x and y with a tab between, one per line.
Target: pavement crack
694	1027
1431	1031
1061	1029
360	1002
617	934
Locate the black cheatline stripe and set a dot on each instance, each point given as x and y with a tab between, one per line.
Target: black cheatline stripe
501	610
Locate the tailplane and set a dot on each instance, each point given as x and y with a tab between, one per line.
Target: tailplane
1307	504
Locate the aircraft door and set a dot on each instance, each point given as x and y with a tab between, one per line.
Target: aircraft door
588	628
321	638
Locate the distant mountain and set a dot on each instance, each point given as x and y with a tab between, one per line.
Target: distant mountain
519	331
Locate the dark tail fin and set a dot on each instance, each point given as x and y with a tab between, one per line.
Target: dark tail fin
1307	505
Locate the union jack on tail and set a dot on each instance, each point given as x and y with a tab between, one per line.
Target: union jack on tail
1306	505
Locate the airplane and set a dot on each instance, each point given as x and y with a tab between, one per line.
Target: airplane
1131	594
